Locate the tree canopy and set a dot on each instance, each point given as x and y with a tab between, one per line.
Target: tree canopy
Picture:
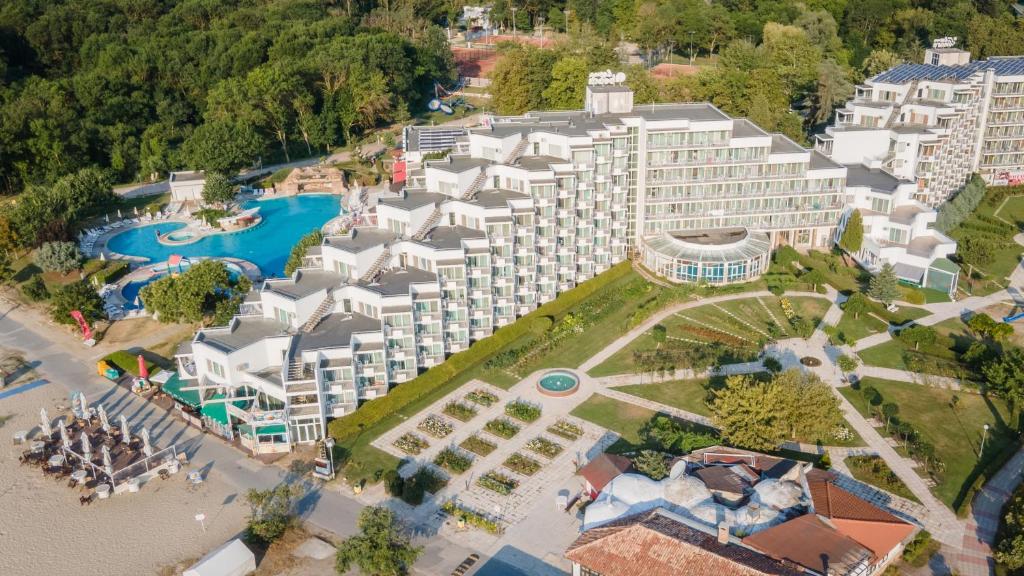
379	548
884	286
852	238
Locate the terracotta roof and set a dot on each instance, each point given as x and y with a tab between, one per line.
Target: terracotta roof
808	541
654	543
723	479
833	502
603	468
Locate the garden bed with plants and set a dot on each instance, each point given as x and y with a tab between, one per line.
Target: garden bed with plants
482	397
565	429
471	517
521	464
498	482
502	428
523	411
411	444
436	426
874	471
544	447
453	461
478	445
459	411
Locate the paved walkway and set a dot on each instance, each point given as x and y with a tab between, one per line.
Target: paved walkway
681	374
908	376
975	558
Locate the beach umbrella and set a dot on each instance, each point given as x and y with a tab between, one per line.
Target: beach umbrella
119	214
103	257
44	422
65	440
107	464
84	404
86	447
138	302
136	210
143	371
103	419
107	218
146	447
126	436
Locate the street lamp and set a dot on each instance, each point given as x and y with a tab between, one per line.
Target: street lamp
514	21
329	443
984	436
691	47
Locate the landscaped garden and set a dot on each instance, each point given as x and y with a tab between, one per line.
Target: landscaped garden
498	482
940	354
544	447
986	249
502	428
863	317
714	334
521	464
459	411
941	427
453	461
874	471
478	445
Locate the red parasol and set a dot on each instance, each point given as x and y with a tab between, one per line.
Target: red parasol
143	372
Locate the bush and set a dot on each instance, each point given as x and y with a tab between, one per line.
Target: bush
544	447
35	289
478	445
271	512
498	482
112	272
651	464
919	550
453	461
459	411
521	464
75	296
847	363
471	517
60	257
566	430
294	262
523	411
412	489
401	396
502	428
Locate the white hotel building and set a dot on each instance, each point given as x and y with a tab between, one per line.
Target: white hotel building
521	210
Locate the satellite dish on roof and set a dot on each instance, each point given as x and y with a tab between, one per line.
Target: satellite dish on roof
678	470
620	77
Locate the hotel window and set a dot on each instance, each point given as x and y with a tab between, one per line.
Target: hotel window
215	368
897	236
713	272
737	270
880	205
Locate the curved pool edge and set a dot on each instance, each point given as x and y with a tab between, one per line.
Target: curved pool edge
545	391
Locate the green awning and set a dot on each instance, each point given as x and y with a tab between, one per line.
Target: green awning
218	411
173	389
267	430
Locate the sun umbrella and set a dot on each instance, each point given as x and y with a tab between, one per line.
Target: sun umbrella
86	447
119	214
136	210
44	423
64	438
107	217
103	257
138	302
126	435
147	449
143	371
84	404
103	419
107	464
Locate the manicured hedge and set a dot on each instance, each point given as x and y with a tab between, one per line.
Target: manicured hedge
536	322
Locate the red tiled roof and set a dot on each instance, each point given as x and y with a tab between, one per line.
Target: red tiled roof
603	468
654	544
833	502
809	542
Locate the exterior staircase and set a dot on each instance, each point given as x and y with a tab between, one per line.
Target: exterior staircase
517	151
910	95
378	265
322	310
475	186
429	224
297	371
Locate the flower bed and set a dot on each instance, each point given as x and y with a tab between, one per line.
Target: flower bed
481	397
712	335
523	411
459	411
436	426
471	517
544	447
498	482
453	461
522	464
565	429
411	443
478	445
502	428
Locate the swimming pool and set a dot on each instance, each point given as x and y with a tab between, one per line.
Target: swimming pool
285	220
130	291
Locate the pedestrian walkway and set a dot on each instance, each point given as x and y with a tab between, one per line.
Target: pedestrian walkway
681	374
975	558
908	376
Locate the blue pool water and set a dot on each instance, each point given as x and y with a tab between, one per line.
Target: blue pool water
558	381
131	290
285	220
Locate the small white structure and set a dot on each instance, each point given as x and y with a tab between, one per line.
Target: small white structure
230	559
186	186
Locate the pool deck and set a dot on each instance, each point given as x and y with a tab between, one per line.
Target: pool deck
100	246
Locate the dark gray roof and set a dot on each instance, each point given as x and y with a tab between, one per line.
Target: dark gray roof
334	331
458	164
821	162
783	145
877	180
497	198
540	163
304	283
184	349
700	112
397	281
451	237
413	200
743	128
1004	66
243	331
270	374
360	239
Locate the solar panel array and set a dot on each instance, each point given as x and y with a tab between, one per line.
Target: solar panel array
909	72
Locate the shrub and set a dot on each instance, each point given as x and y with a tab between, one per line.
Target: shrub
502	428
411	443
35	289
453	461
112	272
412	489
566	430
75	296
271	512
498	482
60	257
651	464
481	397
544	447
920	549
471	517
847	363
521	464
459	411
436	426
522	411
401	396
478	445
294	262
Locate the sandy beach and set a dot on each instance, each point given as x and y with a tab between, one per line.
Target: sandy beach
45	530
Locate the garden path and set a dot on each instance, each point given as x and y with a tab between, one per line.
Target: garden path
975	558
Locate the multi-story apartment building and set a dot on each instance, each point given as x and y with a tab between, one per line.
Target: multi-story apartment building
936	123
519	211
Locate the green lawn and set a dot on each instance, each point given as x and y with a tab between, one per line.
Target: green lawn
623	418
1006	254
956	435
940	358
875	320
745	324
689	395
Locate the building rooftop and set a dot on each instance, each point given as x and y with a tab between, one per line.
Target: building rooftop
396	281
303	283
360	239
600	470
243	331
783	145
494	198
540	163
187	176
721	245
659	543
413	200
821	162
451	237
877	180
334	331
809	542
458	163
743	128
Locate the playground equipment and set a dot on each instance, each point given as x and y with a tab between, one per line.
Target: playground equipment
108	370
1013	317
447	99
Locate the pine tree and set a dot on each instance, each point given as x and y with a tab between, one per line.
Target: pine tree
883	287
853	234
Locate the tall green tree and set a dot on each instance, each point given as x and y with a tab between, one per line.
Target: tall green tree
218	189
884	286
852	238
379	549
749	413
568	84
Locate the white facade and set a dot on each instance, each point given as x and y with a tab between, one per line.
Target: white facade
935	124
187	186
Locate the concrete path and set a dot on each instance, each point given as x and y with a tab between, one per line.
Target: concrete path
681	374
908	376
986	511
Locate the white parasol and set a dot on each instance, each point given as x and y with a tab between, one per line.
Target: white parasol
84	404
64	438
103	257
119	214
107	464
86	447
107	218
136	210
147	449
44	423
103	419
126	435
